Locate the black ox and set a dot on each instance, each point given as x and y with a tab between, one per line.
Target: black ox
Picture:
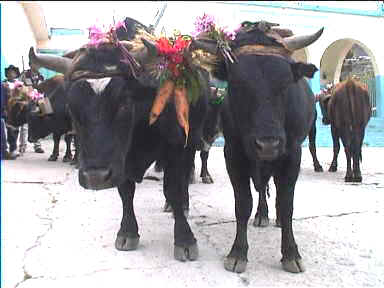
110	110
40	125
266	117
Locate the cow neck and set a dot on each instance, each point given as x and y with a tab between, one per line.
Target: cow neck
262	50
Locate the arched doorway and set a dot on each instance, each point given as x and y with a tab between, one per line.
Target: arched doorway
349	57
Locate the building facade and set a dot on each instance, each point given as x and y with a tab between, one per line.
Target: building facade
348	26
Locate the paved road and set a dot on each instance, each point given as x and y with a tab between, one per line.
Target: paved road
57	234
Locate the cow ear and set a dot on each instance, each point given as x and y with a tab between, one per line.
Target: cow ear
300	70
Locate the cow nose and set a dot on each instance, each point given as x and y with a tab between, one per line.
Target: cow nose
267	148
95	178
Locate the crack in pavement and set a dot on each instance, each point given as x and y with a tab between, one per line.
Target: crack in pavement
203	224
336	215
37	242
35	182
27	276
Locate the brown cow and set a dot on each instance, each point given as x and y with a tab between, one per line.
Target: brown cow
348	110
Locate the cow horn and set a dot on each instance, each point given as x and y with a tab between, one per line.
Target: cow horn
151	47
53	62
297	42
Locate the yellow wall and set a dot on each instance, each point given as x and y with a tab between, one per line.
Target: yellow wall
16	34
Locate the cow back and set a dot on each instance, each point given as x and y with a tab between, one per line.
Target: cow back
349	105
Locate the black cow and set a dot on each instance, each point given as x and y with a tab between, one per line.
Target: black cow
266	117
23	110
57	123
110	109
348	111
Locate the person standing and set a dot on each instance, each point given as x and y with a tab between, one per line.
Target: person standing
30	77
12	74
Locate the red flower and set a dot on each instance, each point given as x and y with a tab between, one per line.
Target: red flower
164	46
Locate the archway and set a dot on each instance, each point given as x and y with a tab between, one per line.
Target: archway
347	57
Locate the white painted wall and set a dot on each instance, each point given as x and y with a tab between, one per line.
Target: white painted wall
16	34
366	30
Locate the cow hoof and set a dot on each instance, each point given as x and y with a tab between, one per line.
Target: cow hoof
167	207
124	243
332	169
207	180
260	221
186	253
357	179
293	266
277	223
319	169
52	158
235	265
67	159
348	179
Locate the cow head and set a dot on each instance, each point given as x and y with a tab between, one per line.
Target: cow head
105	102
265	85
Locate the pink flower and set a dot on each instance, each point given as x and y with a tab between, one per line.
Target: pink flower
120	24
17	84
35	95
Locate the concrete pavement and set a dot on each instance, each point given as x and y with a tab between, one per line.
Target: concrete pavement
57	234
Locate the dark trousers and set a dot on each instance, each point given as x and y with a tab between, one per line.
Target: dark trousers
12	135
3	139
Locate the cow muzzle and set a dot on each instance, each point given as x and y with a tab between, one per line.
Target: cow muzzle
267	149
95	179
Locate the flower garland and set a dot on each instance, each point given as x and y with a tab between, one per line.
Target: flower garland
206	26
174	66
35	95
100	35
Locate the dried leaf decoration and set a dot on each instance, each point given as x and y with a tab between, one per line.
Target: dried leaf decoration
177	80
182	110
162	97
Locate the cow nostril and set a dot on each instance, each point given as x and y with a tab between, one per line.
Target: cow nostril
267	143
102	174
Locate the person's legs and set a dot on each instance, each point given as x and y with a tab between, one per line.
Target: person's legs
23	138
12	135
3	140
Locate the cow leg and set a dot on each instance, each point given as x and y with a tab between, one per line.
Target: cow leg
75	160
312	147
68	153
236	260
261	216
55	152
336	149
128	236
285	180
357	142
204	173
176	181
348	149
192	177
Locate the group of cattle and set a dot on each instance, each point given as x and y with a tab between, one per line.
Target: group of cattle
267	113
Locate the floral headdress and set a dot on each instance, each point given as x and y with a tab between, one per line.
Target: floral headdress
100	35
205	27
